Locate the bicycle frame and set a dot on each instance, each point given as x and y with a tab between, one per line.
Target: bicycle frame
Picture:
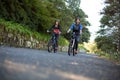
73	41
52	42
54	39
72	44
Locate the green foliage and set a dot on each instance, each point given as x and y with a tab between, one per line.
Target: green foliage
16	28
108	40
111	13
39	15
73	4
106	44
85	36
34	13
11	26
63	41
81	47
114	56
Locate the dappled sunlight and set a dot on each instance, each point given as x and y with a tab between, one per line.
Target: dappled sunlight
42	72
12	66
74	63
49	72
72	76
37	66
28	69
91	47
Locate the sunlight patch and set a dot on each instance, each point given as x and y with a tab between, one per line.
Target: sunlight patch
72	76
18	66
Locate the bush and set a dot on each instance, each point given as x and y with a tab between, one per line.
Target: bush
16	28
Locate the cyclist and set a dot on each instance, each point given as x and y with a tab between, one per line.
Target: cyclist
77	28
56	29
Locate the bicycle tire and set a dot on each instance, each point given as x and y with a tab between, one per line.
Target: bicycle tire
73	51
73	47
50	46
54	48
70	49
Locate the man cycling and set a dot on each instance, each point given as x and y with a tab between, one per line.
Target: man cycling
56	29
77	28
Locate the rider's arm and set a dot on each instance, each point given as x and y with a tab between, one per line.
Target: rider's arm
80	29
60	29
71	28
50	28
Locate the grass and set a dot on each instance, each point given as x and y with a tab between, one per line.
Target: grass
111	56
15	28
81	47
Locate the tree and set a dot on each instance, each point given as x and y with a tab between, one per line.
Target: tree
106	44
39	15
86	35
73	4
110	24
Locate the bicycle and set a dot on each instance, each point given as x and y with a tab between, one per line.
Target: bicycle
52	44
72	45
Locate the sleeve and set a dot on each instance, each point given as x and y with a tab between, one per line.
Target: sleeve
80	27
60	29
51	28
71	27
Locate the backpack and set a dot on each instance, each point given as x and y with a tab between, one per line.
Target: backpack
76	28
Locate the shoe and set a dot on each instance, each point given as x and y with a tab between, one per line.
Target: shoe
76	52
56	48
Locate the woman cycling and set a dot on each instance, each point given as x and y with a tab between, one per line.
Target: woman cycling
77	28
56	29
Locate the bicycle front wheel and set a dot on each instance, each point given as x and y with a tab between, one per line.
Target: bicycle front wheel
50	46
73	47
70	49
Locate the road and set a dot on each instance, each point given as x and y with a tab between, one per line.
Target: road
30	64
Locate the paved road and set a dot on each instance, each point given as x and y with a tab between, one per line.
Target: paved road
30	64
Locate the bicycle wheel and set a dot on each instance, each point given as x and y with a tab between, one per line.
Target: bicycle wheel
73	47
70	48
54	47
73	51
50	46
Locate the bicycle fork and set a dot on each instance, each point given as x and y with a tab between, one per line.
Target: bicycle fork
73	43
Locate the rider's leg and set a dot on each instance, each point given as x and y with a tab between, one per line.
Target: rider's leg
57	37
53	35
76	43
76	46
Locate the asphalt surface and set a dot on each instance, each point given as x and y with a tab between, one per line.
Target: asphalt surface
30	64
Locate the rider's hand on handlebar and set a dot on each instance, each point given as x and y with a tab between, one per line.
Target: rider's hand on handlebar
80	31
59	32
68	31
48	31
